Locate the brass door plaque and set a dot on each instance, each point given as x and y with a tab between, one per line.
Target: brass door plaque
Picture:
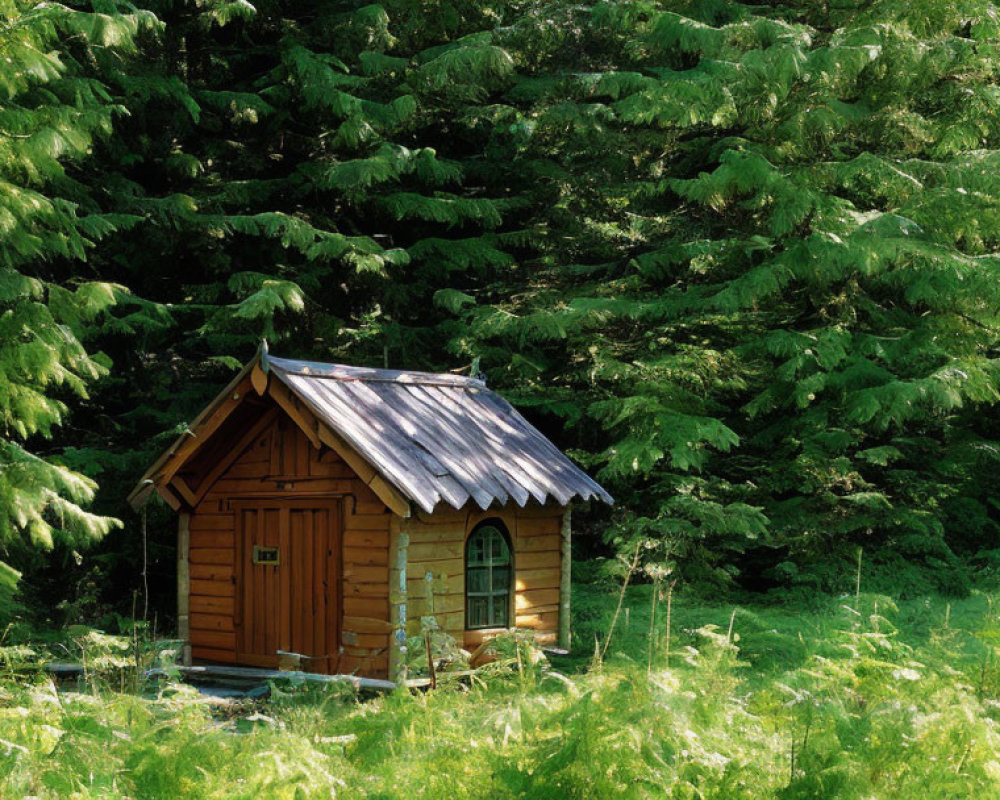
265	555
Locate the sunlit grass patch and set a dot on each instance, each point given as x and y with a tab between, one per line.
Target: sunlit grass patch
863	698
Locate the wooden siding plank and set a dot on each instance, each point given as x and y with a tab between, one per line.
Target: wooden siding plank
377	607
449	584
360	625
354	573
536	544
436	534
213	605
366	556
211	555
212	572
438	551
528	579
359	590
211	622
204	522
211	588
538	526
212	540
537	597
546	621
213	654
219	640
370	522
366	539
531	561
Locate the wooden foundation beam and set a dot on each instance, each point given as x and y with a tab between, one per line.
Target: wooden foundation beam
184	585
565	578
399	542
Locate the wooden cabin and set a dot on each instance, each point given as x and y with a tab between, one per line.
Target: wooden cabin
323	510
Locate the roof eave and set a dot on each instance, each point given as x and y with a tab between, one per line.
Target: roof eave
147	483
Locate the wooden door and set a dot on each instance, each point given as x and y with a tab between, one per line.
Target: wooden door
288	582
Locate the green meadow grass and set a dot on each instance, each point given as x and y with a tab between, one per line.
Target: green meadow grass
855	697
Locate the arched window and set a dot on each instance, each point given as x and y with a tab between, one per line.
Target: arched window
488	575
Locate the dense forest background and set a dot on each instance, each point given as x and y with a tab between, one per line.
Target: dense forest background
739	259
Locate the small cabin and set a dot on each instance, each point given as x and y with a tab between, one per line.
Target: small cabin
323	510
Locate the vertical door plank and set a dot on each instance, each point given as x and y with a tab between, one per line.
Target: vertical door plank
319	580
272	598
284	570
308	587
297	556
333	592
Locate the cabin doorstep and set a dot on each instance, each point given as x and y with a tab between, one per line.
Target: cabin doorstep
324	510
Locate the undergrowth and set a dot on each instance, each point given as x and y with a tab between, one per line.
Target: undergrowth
854	697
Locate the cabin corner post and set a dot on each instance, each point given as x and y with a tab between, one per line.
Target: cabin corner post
184	586
399	543
565	577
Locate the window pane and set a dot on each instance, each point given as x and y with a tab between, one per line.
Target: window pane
499	554
476	547
478	579
488	578
500	618
501	579
478	611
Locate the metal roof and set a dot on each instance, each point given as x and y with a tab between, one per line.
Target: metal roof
437	437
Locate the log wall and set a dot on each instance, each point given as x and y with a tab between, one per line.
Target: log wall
437	546
281	462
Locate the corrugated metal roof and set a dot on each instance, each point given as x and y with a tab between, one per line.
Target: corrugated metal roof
437	438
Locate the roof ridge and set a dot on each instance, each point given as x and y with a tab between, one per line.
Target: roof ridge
348	372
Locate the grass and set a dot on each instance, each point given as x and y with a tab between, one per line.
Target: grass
881	700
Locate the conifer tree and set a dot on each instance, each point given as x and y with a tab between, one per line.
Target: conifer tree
739	258
771	268
51	110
